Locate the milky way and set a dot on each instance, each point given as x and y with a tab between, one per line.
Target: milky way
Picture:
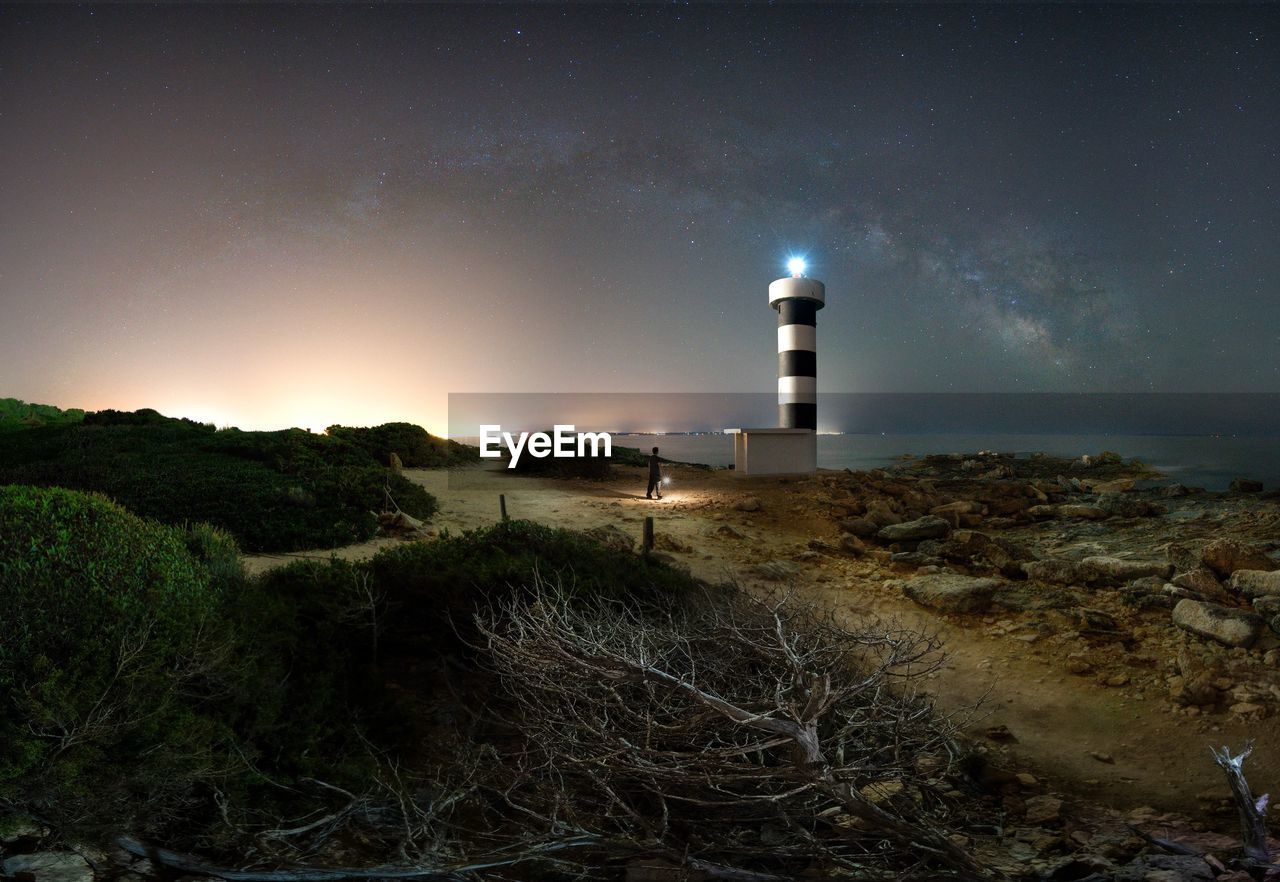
284	214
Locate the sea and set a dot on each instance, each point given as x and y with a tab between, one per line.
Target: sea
1208	461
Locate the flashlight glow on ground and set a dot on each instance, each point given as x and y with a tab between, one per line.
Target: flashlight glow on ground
796	266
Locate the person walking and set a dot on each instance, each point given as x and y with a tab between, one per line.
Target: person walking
655	476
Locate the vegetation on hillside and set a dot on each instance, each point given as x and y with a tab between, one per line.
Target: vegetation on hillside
274	491
16	414
514	695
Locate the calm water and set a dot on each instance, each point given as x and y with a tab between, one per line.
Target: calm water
1196	460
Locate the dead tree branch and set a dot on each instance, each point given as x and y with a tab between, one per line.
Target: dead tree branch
1253	813
756	738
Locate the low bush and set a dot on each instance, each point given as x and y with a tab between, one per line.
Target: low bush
416	448
110	623
273	491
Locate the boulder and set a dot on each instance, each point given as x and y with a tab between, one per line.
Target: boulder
1267	605
1255	583
1182	556
1043	810
1172	491
1200	579
950	592
1230	627
1101	568
972	547
1055	570
1245	485
1075	510
852	545
1120	505
49	866
927	527
750	503
863	527
776	570
1225	556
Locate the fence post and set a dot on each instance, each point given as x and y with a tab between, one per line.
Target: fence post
647	545
502	505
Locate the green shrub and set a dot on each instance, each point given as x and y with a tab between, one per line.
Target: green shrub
416	448
273	491
108	622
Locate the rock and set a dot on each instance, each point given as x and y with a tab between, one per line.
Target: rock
750	503
1202	580
1182	556
1267	606
852	545
1246	708
1026	779
1077	665
1054	570
1179	868
880	791
49	866
724	531
776	570
1043	810
1174	490
915	559
1103	757
1076	510
667	542
1116	569
951	592
1115	681
1026	596
1000	733
959	507
1120	505
1245	485
1255	583
863	527
974	548
1225	556
1198	691
927	527
1230	627
18	827
612	536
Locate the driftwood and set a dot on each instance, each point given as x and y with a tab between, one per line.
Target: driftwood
1253	813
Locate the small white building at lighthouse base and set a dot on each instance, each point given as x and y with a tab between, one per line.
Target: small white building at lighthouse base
774	451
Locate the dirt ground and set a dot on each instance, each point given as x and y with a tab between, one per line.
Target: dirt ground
1118	747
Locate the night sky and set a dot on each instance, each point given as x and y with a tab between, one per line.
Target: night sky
287	215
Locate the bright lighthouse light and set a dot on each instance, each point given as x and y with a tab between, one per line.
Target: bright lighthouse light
796	266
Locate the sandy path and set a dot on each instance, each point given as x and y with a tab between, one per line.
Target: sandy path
1060	720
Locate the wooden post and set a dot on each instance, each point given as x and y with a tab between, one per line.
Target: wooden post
647	544
502	505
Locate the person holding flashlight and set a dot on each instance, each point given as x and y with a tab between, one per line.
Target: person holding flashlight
655	476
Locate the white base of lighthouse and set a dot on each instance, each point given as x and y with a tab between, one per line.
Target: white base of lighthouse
774	451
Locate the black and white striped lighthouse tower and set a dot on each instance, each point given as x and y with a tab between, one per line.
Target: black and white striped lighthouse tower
797	299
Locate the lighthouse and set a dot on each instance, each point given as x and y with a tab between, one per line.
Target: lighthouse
797	300
792	447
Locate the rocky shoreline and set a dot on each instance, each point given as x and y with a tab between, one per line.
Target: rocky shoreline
1169	591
